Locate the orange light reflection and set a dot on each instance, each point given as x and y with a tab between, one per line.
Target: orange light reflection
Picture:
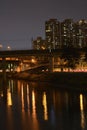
44	102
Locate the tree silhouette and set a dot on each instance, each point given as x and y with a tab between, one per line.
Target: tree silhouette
85	53
71	56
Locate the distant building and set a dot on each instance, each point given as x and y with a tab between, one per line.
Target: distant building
59	34
52	33
39	44
81	33
67	33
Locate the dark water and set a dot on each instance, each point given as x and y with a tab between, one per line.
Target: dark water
37	106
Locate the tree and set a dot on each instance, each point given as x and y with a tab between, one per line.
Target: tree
71	56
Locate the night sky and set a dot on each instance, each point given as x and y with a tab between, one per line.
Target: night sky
22	20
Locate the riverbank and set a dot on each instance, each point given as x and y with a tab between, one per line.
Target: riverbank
73	80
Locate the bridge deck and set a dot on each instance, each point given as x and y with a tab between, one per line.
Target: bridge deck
18	53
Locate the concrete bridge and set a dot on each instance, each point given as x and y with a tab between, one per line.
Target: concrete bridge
52	52
23	56
20	55
26	54
23	53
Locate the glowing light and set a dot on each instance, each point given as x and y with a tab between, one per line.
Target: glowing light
33	101
81	102
1	95
1	46
34	114
18	69
82	112
28	95
22	97
44	102
9	99
33	60
48	30
8	47
43	47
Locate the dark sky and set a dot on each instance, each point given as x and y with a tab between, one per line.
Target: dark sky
20	20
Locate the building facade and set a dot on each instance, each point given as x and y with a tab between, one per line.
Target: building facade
66	33
39	44
52	33
81	33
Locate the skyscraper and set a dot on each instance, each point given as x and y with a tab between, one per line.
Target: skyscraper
81	33
67	33
52	33
63	34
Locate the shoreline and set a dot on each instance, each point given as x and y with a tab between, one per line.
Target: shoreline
72	80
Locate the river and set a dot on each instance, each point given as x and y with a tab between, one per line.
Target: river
37	106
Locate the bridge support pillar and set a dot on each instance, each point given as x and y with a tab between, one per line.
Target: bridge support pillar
51	64
4	68
10	67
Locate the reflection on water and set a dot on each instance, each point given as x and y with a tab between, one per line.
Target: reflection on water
33	104
44	102
9	98
81	102
82	112
37	106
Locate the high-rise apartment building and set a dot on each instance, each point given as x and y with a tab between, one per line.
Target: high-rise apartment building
59	34
81	33
67	33
52	33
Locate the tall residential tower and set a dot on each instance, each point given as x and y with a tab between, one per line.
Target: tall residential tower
52	33
66	33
